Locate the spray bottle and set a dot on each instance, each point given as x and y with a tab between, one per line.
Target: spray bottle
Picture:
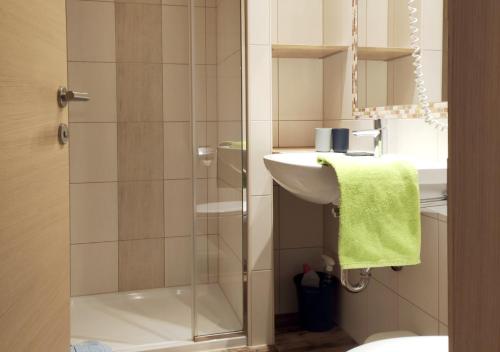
329	264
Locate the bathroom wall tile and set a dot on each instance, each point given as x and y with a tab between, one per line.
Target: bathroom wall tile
262	308
178	208
139	92
362	83
297	133
140	210
178	155
176	2
403	82
442	145
94	212
432	62
370	311
377	23
228	28
275	88
331	230
229	88
376	80
141	264
276	134
387	277
276	217
260	232
229	162
337	24
443	330
337	86
419	284
355	142
211	35
300	222
276	274
291	262
98	275
231	278
231	224
260	141
93	152
178	261
212	93
406	136
362	22
230	230
274	21
443	272
201	258
432	25
399	33
175	28
199	97
213	258
300	89
411	318
140	151
153	2
201	200
198	38
176	93
138	33
259	83
99	80
259	29
91	31
300	22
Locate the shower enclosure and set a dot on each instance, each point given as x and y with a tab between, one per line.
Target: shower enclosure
157	172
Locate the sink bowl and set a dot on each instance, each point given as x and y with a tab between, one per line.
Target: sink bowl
300	174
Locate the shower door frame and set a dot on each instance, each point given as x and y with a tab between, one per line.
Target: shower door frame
244	189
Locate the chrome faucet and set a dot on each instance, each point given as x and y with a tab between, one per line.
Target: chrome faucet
377	133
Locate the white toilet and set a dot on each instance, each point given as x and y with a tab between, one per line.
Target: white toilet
406	344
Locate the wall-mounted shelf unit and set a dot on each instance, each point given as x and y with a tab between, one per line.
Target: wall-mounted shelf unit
382	54
306	51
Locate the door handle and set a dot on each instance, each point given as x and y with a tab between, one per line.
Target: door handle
64	96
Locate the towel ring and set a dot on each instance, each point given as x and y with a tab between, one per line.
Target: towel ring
365	276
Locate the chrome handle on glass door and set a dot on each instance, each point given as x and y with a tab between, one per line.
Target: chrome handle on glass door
64	96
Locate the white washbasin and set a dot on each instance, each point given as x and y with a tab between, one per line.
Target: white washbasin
300	174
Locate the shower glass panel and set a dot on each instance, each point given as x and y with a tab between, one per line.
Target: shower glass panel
156	171
218	167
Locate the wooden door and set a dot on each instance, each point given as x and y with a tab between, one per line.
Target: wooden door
474	183
34	180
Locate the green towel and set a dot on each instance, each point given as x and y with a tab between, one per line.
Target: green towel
379	211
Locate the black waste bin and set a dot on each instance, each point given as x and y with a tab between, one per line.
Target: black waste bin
317	305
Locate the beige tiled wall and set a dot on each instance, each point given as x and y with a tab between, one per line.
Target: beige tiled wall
260	227
414	299
131	149
298	240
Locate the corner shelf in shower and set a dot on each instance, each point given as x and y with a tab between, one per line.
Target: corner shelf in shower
306	51
382	54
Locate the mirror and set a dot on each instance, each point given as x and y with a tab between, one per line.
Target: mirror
383	74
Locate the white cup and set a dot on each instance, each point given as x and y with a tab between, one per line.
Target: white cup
323	139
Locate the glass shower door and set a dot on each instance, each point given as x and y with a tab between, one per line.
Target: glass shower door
219	159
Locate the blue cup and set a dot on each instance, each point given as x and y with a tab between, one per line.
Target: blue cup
340	138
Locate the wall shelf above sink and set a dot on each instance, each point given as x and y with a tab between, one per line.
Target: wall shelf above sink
306	51
382	54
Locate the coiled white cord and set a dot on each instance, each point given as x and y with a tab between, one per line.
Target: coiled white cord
423	99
